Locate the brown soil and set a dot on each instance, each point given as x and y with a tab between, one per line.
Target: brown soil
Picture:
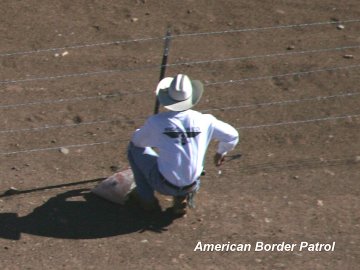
293	183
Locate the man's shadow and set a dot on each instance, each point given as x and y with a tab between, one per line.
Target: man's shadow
79	214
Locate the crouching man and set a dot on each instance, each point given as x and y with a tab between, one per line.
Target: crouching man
181	136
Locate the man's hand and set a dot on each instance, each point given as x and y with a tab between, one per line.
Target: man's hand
219	159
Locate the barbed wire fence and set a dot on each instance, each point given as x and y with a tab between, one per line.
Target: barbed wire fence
50	102
126	140
198	62
198	34
261	104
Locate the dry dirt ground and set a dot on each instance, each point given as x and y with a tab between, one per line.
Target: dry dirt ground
295	182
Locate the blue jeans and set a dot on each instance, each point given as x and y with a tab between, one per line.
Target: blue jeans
148	179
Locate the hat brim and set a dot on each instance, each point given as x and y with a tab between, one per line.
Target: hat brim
175	105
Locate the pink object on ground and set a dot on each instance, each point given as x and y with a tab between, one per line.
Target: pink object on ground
117	187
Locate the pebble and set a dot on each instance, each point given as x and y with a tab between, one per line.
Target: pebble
65	53
134	19
340	27
78	119
144	241
320	203
114	168
291	47
296	177
267	220
64	150
348	56
329	172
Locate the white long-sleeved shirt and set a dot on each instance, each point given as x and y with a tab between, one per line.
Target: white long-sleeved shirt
182	139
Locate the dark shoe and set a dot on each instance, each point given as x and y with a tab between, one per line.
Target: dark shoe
145	205
179	205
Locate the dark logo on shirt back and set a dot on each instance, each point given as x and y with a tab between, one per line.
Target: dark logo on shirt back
183	136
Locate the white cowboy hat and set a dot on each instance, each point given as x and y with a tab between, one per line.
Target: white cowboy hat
179	93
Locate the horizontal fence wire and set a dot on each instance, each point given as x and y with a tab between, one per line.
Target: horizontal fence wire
297	73
259	104
72	99
59	147
301	121
278	54
330	118
282	102
74	75
256	29
136	40
80	46
196	62
59	126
